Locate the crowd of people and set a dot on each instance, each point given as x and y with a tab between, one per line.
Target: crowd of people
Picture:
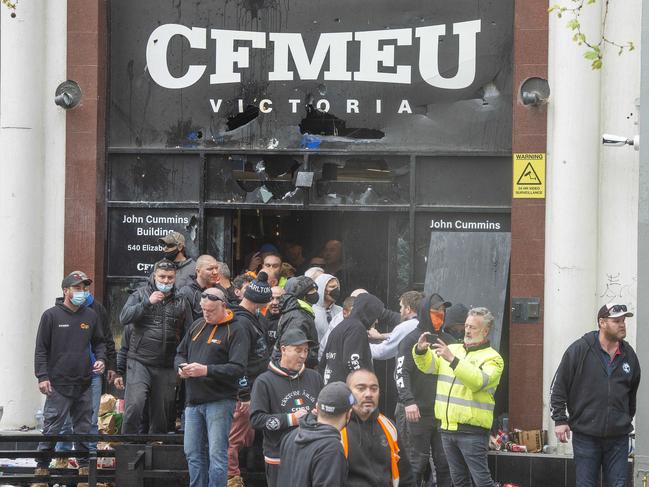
275	355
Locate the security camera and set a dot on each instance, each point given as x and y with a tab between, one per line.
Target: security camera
612	140
68	95
534	92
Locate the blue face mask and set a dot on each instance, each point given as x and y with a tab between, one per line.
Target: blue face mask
165	288
79	297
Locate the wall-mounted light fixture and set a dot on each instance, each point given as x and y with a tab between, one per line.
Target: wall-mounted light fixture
620	140
534	91
68	95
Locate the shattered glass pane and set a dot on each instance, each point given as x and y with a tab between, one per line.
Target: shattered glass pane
259	179
357	180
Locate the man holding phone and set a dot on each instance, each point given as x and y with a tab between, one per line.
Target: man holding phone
415	411
211	359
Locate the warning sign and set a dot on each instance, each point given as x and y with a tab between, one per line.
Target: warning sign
529	176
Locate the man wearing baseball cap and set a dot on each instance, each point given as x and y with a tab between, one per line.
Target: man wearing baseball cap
282	395
174	250
593	396
66	334
313	453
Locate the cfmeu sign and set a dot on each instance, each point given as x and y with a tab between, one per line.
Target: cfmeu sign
529	175
376	50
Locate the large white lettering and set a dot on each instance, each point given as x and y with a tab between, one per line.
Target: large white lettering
335	44
156	55
227	56
372	55
429	54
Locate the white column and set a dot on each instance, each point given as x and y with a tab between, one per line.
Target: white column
572	199
32	138
618	171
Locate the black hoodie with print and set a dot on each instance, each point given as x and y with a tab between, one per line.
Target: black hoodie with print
370	462
413	386
277	395
348	347
63	343
258	354
312	456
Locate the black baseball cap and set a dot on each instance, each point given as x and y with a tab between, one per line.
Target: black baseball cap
335	398
294	336
436	301
75	278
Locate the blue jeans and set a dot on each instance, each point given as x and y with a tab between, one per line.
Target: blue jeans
207	427
592	452
95	386
467	458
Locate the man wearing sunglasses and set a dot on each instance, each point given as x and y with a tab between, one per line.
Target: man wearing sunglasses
160	317
211	359
593	396
174	249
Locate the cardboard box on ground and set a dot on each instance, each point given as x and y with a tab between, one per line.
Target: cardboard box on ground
532	439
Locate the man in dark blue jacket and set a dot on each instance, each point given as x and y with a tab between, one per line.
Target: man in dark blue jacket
66	334
593	395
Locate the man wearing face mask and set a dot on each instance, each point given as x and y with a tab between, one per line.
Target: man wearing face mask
281	396
375	453
416	390
256	296
326	308
160	317
297	312
66	334
174	250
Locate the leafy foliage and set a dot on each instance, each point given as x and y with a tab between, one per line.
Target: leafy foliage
594	52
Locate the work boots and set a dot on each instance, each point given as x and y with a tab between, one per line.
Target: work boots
40	471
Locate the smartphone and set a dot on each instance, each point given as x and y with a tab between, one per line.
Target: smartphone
432	337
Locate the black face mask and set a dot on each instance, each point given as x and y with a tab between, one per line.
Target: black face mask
335	293
311	298
171	255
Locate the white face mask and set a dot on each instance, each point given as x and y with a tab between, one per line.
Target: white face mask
165	288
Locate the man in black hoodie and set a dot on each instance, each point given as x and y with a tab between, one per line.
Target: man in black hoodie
416	392
376	455
211	359
256	295
159	316
348	346
281	395
297	312
593	394
67	333
312	455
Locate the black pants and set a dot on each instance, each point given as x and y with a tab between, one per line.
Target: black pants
272	471
57	408
425	439
155	385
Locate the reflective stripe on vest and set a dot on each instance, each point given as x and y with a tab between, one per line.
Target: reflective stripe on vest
390	433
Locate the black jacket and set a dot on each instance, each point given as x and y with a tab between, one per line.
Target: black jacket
63	344
276	396
185	272
413	386
298	314
348	347
369	459
122	354
192	293
157	328
224	349
597	404
270	323
312	456
102	314
258	352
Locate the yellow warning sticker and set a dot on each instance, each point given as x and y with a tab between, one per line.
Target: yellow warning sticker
529	175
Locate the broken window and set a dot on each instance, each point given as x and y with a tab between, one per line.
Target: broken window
358	180
253	179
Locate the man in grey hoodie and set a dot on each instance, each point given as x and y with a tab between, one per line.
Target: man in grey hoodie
326	308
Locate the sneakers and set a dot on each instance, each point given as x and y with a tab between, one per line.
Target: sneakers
72	463
236	481
59	463
40	471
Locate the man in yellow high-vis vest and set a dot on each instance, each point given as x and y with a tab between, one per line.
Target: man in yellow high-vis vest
468	375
